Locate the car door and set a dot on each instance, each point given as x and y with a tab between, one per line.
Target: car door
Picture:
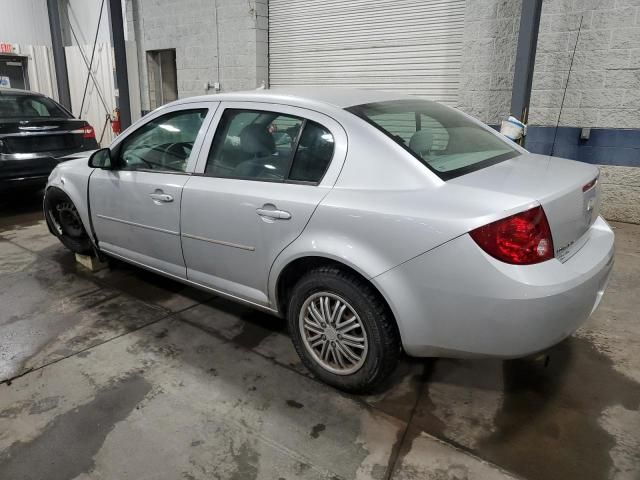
266	170
135	207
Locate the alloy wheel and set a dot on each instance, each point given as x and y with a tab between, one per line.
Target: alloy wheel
333	333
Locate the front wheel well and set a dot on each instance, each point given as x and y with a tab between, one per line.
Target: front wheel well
295	270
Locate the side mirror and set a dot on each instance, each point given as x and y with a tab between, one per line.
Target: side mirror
101	159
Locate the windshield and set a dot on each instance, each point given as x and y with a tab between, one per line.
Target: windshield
442	138
29	106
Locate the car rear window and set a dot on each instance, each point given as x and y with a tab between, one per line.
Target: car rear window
442	138
29	106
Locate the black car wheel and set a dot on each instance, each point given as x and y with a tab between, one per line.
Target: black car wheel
343	330
62	215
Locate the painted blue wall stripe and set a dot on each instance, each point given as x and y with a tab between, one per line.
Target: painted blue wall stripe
605	146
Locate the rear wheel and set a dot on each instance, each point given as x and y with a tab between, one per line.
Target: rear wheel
63	216
342	330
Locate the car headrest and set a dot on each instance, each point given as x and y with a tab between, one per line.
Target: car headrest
256	140
421	142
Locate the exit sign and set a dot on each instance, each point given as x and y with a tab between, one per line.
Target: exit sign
6	48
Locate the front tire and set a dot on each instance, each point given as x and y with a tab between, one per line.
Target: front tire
343	330
64	219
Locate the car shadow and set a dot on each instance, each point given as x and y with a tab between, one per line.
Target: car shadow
541	418
20	207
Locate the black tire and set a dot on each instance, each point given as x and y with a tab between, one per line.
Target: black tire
382	338
63	218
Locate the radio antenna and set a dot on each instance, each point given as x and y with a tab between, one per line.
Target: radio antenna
555	133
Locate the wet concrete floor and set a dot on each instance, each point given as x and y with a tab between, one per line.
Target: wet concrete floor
123	374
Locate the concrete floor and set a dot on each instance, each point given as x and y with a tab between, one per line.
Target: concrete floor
126	375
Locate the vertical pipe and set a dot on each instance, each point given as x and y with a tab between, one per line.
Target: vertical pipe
59	57
120	55
525	58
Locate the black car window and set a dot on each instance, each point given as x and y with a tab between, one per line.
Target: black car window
313	155
29	106
163	144
253	145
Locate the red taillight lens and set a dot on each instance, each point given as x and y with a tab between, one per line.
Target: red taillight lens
521	239
88	132
590	185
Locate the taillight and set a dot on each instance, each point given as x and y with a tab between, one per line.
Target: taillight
590	185
521	239
88	132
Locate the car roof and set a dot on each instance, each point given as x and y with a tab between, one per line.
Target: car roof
14	91
336	97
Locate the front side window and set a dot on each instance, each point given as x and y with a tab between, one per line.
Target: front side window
163	144
446	141
269	146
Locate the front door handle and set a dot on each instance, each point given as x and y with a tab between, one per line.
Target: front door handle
275	214
161	197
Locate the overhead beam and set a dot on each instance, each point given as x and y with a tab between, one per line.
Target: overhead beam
120	56
525	58
59	56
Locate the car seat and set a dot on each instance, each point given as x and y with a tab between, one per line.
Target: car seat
421	142
258	144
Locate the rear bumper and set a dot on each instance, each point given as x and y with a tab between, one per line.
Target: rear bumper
457	301
19	170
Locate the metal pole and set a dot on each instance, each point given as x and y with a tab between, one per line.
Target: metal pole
120	55
525	58
59	57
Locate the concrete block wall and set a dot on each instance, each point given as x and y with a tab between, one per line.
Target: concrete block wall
604	85
603	88
243	36
488	58
215	41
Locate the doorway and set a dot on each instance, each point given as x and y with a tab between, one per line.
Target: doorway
13	72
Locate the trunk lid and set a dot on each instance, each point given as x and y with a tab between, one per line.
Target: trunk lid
41	135
561	186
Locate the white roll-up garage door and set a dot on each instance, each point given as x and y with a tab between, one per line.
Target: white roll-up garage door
408	46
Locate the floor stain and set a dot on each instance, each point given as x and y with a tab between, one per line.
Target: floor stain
317	429
43	405
66	447
294	404
256	327
246	463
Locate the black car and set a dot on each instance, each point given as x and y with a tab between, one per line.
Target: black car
35	132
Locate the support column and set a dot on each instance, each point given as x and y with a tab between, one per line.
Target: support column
525	58
59	57
120	55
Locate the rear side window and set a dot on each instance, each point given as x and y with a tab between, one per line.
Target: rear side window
269	146
314	154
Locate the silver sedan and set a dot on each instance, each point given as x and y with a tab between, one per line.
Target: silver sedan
374	223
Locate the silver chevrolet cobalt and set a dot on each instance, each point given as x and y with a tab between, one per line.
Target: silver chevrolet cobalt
374	223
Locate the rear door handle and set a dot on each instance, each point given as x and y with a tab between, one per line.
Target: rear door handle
276	214
161	197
